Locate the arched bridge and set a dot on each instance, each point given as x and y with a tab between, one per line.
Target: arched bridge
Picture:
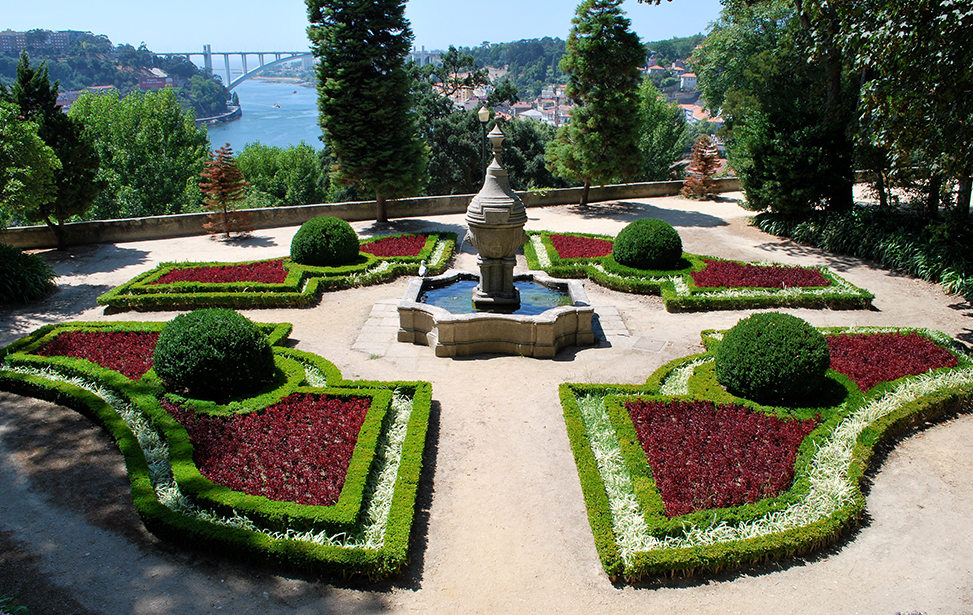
279	57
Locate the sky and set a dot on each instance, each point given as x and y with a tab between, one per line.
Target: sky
249	25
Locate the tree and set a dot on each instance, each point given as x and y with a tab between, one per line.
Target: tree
456	71
364	96
27	167
152	153
664	134
75	180
224	187
282	176
917	101
600	143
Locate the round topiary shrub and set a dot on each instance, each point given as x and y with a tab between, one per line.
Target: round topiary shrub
648	244
772	358
213	354
23	277
325	242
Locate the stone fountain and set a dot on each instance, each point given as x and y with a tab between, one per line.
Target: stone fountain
496	218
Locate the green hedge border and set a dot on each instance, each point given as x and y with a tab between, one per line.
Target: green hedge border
261	547
676	286
301	288
721	556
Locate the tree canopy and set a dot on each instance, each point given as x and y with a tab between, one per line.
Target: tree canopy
27	167
600	144
364	96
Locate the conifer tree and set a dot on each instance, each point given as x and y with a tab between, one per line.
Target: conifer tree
364	96
75	182
601	143
224	187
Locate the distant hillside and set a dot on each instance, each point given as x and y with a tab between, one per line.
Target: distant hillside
92	60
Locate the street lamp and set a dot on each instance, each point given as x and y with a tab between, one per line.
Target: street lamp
484	115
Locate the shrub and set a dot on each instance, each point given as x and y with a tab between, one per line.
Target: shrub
23	277
213	354
323	242
772	358
648	244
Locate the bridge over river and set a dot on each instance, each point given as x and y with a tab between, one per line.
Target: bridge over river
264	60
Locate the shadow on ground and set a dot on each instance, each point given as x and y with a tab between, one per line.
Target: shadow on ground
625	211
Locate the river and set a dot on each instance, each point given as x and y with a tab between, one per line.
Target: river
278	114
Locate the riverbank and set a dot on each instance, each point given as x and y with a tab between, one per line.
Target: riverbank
235	112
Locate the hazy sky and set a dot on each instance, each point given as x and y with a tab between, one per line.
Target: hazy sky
248	25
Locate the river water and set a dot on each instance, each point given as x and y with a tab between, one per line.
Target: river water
278	114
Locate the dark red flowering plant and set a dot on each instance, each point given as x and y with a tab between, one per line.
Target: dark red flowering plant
267	272
705	455
400	245
578	246
730	274
869	359
126	352
296	450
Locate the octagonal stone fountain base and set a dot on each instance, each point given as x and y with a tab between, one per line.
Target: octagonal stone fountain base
452	335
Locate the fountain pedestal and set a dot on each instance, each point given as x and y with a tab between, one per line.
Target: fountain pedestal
496	218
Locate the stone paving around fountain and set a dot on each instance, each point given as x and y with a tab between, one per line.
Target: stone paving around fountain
501	525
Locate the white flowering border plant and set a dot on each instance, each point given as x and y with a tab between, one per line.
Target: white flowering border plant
634	540
175	502
677	288
302	286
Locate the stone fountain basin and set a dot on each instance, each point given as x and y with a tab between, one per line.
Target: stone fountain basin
452	335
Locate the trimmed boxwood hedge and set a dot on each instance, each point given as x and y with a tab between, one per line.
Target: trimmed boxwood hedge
301	288
263	531
671	558
676	286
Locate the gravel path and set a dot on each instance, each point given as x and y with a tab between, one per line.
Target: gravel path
501	526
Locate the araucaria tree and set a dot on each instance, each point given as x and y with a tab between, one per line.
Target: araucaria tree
601	143
224	187
703	163
364	96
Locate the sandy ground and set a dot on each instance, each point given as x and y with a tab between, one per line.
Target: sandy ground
501	524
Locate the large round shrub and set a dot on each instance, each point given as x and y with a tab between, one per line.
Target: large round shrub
772	358
325	242
648	244
213	354
23	277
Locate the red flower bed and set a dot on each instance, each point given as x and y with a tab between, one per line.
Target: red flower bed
297	450
737	275
873	358
268	272
406	245
126	352
706	456
572	246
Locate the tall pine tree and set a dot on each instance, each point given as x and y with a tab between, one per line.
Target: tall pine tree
601	143
75	182
364	96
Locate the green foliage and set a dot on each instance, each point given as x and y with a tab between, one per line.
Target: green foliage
648	244
213	353
532	64
260	541
301	288
896	240
788	118
9	607
27	167
364	96
664	134
206	95
23	277
675	48
772	358
323	242
600	144
75	182
283	176
152	153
